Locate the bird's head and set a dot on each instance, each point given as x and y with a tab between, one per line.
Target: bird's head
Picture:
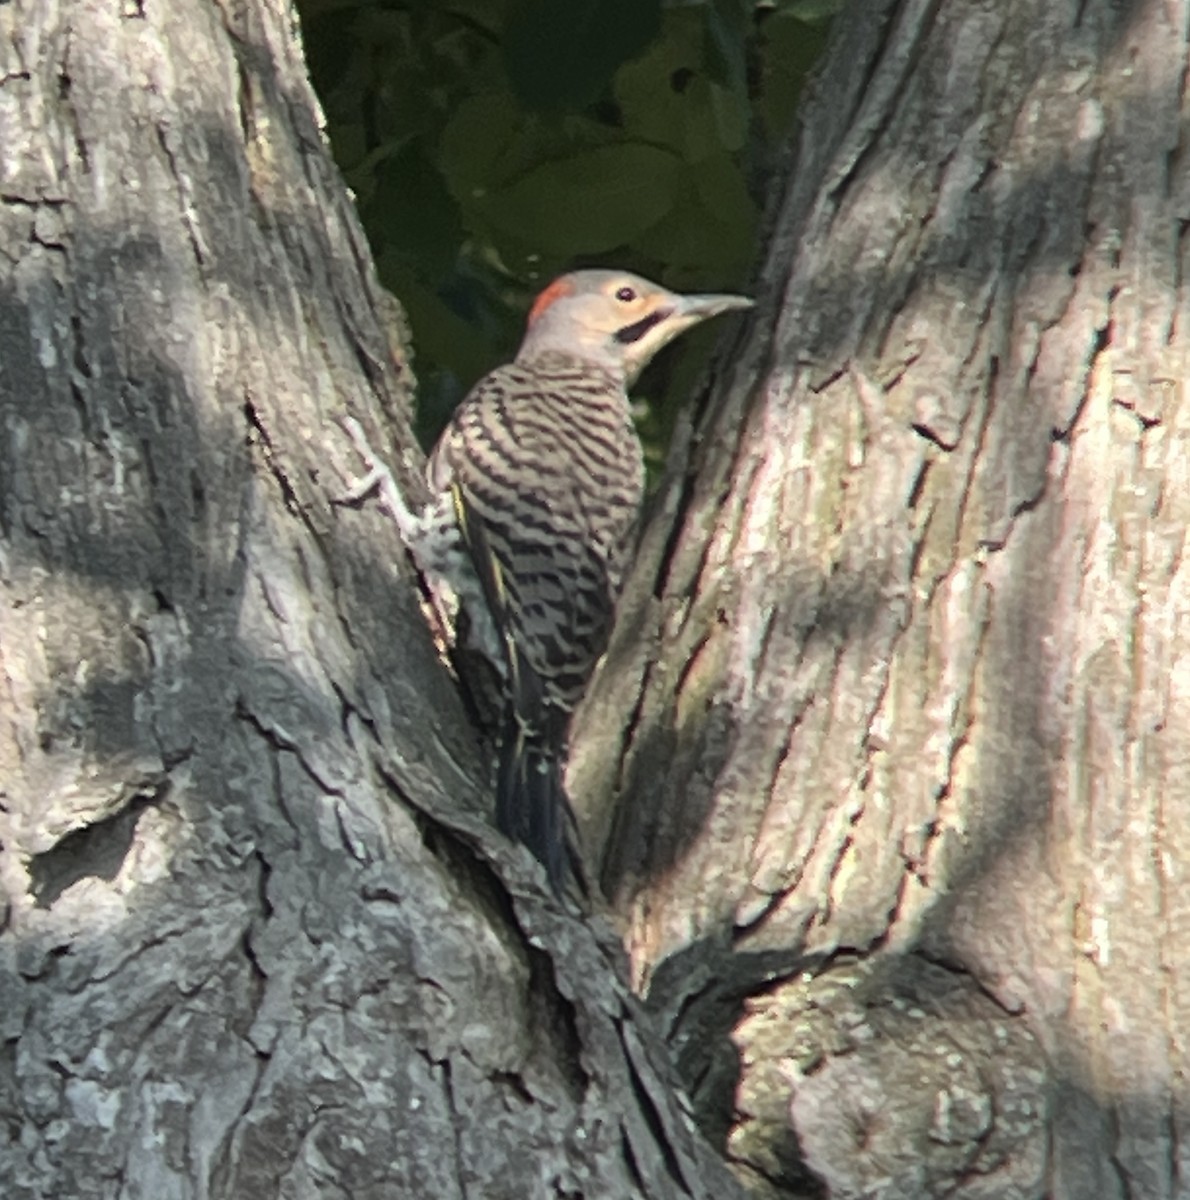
614	319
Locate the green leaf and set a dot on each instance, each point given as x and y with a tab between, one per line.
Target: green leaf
730	114
587	203
710	232
561	54
475	139
719	184
666	96
715	119
649	89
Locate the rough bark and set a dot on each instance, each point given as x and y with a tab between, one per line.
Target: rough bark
257	938
897	718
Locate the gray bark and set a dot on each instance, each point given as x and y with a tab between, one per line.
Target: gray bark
258	938
895	729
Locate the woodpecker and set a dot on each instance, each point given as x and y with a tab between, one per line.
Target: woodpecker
537	484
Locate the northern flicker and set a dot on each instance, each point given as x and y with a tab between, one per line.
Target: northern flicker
537	484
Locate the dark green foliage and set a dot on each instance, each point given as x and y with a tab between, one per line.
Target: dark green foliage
562	55
492	144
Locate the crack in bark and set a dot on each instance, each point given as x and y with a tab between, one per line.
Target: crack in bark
661	1130
186	207
885	77
278	739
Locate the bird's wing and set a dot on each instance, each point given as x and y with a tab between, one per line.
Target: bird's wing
527	525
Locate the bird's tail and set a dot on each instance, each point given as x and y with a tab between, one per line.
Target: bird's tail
531	803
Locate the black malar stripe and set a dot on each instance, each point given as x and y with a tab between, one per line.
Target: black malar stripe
633	333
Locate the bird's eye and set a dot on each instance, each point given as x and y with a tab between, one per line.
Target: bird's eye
626	294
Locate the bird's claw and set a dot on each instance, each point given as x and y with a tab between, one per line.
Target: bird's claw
378	478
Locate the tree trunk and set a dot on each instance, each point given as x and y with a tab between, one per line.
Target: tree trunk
253	943
897	721
888	765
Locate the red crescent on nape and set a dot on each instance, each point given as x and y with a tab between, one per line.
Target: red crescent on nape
556	290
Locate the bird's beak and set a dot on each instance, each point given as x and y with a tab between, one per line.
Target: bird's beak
690	310
698	308
672	314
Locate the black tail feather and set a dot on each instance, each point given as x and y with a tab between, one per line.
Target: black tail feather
531	803
532	806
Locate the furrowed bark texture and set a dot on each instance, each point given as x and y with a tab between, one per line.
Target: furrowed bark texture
898	716
252	942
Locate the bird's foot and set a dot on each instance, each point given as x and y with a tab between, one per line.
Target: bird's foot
378	479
